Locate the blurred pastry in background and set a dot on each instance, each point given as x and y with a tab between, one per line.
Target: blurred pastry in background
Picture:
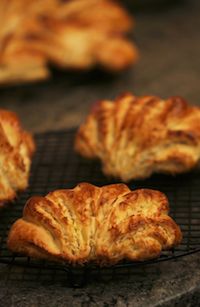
16	149
73	34
135	137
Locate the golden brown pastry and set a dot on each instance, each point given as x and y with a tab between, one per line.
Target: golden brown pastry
137	136
77	34
95	224
16	149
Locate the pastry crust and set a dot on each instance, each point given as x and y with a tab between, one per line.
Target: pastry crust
95	224
73	34
16	149
137	136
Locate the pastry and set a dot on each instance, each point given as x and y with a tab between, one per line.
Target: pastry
95	224
137	136
16	149
73	34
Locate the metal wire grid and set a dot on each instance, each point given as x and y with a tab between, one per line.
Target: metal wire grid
56	166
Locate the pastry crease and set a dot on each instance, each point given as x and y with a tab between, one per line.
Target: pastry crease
16	149
135	137
102	225
73	34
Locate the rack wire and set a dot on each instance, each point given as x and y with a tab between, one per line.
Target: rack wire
56	166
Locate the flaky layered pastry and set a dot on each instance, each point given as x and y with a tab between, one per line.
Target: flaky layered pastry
95	224
137	136
16	149
75	34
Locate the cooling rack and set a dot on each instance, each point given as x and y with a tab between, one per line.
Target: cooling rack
56	166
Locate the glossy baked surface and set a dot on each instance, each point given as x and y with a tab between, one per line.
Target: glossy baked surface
16	149
137	136
91	224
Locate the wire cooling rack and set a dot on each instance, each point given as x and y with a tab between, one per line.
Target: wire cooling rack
56	166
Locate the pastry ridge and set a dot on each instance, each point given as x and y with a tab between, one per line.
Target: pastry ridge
16	149
95	224
137	136
73	34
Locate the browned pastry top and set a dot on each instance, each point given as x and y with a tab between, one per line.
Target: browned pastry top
16	148
100	224
137	136
77	34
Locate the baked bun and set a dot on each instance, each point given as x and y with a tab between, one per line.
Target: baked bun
73	34
16	149
137	136
95	224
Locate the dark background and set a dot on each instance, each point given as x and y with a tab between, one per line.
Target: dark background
167	34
